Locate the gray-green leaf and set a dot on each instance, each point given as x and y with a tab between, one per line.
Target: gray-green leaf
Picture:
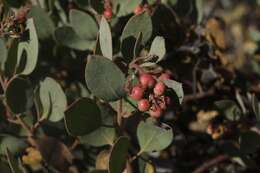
52	100
105	39
153	138
158	48
104	79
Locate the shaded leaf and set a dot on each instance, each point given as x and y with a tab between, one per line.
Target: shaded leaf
118	156
104	135
229	109
55	153
256	107
16	3
139	23
249	142
19	95
11	61
66	36
43	23
83	117
13	163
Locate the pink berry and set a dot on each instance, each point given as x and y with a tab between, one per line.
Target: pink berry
108	13
159	88
143	105
164	76
137	93
147	80
155	112
139	9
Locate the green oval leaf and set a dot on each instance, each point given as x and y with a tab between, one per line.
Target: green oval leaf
158	48
153	138
118	156
43	23
52	99
83	117
123	8
103	135
31	47
84	25
139	23
105	39
176	87
66	36
104	79
19	95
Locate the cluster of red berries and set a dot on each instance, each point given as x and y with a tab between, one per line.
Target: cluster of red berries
149	93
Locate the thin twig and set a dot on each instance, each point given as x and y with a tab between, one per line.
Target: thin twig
216	160
25	126
119	112
75	144
200	95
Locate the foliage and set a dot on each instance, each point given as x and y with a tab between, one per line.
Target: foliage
128	86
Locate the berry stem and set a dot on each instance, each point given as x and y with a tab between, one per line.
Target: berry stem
119	112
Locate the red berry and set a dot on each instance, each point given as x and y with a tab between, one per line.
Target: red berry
143	105
164	76
147	80
159	88
108	13
139	9
137	93
155	112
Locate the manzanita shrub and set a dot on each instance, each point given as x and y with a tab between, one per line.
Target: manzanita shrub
85	84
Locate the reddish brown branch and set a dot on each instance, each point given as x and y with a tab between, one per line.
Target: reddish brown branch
199	95
205	166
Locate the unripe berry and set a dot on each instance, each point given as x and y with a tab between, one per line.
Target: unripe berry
108	13
137	93
159	88
155	112
143	105
164	76
147	80
139	9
